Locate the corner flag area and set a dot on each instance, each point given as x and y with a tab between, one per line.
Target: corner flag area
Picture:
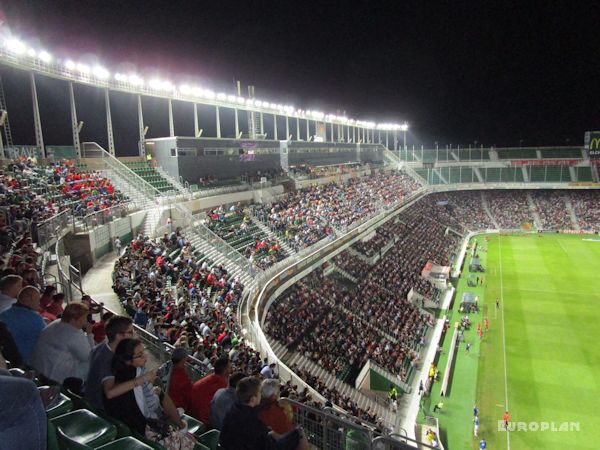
539	359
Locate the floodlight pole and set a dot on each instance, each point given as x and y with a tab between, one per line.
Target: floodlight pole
74	122
287	127
109	127
141	142
37	121
262	124
218	122
196	124
275	125
307	130
237	123
297	128
171	123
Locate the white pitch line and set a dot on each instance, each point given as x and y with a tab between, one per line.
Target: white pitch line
503	337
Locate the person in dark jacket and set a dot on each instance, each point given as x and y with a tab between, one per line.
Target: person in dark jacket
8	347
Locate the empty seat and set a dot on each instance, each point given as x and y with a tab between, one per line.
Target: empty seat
83	427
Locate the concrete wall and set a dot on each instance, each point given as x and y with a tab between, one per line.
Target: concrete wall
258	195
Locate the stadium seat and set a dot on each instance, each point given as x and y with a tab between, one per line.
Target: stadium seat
62	406
195	426
210	439
125	443
82	428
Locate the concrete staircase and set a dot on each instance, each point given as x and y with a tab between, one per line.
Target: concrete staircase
154	217
218	258
571	211
265	229
381	408
534	213
486	208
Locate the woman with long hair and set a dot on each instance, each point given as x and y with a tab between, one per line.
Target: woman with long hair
136	402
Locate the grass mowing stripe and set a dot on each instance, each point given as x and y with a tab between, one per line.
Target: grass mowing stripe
503	335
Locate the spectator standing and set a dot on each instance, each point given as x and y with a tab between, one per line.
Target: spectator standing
177	382
204	389
63	348
24	322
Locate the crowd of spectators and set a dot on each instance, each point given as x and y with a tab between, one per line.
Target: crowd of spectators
586	205
308	215
340	327
552	210
509	208
37	192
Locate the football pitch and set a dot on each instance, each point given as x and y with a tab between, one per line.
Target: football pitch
540	359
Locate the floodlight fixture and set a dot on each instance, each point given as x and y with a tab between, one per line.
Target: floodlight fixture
145	130
83	68
45	56
101	72
209	94
16	46
240	100
31	52
79	126
404	126
185	89
231	98
221	96
70	65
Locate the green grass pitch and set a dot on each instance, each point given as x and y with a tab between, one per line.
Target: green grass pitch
548	326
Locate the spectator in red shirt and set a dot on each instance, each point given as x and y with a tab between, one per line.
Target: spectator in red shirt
269	411
204	389
56	307
180	384
98	329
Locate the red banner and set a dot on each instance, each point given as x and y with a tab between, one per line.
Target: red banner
545	162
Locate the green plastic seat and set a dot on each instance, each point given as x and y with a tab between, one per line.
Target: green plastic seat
210	439
52	439
195	426
125	443
82	428
63	406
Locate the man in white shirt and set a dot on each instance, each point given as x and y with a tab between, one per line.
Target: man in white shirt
63	348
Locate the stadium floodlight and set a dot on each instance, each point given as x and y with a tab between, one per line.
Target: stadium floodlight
231	98
240	100
404	127
15	46
185	89
258	103
273	105
221	96
135	80
249	102
83	68
31	52
70	65
155	84
45	56
209	94
101	72
120	77
197	92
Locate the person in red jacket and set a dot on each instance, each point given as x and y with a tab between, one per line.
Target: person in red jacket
180	384
204	389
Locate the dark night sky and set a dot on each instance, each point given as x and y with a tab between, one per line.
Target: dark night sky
458	72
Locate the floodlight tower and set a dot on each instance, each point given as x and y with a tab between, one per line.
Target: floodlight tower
403	128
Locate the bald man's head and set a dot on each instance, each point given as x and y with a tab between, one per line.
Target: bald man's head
29	296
